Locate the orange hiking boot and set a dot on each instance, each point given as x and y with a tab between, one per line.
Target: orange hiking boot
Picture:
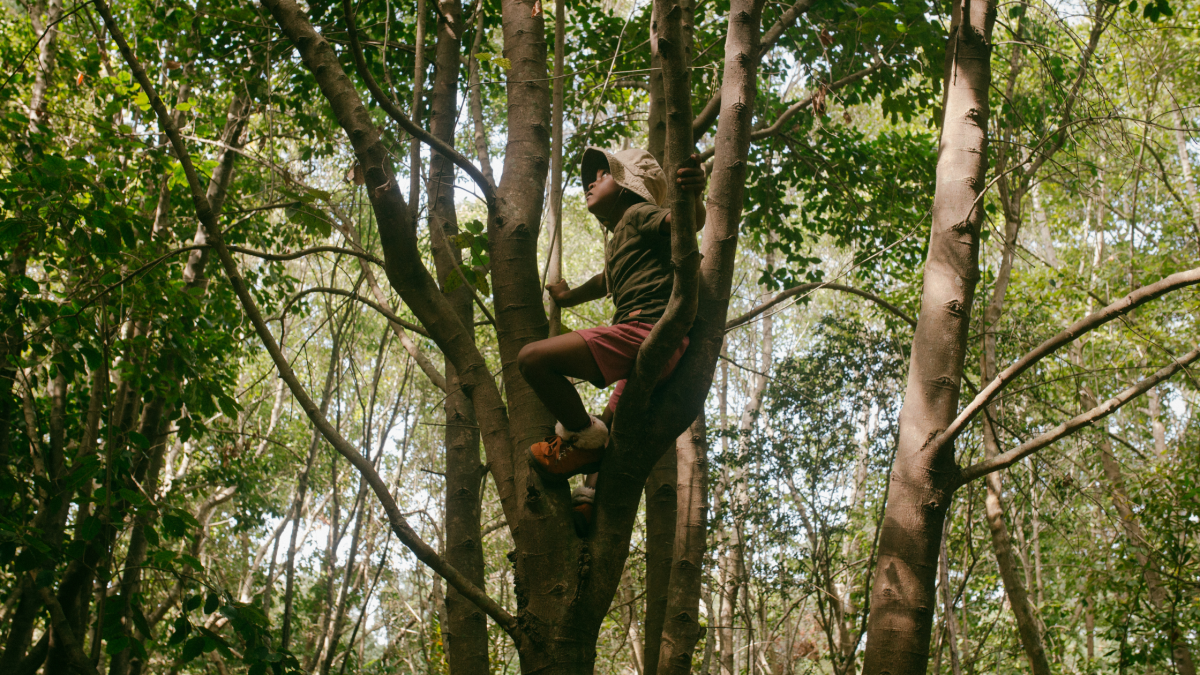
583	510
570	453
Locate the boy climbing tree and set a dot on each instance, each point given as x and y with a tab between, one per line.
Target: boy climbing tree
624	192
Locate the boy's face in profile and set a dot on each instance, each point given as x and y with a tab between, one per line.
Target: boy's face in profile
602	195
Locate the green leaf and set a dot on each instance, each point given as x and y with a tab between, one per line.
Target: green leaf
502	62
139	440
211	604
182	628
193	602
187	105
142	101
193	648
90	528
116	645
139	620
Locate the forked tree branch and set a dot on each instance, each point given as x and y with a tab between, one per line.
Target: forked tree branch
1114	311
204	212
708	115
1007	459
381	97
803	288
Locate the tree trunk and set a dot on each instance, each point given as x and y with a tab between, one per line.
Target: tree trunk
289	592
1160	598
554	273
924	478
682	628
952	632
1185	162
465	628
660	544
1018	598
414	145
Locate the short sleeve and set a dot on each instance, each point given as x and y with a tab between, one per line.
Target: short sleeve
647	219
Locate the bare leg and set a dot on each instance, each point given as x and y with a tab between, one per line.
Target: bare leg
547	364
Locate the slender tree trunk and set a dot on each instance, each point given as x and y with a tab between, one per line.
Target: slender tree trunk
660	486
554	273
1185	161
660	543
289	592
1018	598
682	629
414	146
924	478
349	577
1159	596
952	632
465	627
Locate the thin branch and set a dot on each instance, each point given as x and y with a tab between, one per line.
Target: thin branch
1076	423
387	313
204	212
804	103
1114	311
385	102
803	288
708	115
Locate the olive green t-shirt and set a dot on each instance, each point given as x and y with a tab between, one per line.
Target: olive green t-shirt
637	265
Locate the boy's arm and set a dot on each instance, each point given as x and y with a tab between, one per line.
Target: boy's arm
565	296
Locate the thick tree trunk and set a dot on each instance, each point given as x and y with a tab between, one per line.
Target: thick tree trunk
924	478
682	628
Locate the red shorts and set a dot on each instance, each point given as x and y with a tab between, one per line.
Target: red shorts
615	347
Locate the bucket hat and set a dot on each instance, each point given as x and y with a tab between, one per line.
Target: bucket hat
633	169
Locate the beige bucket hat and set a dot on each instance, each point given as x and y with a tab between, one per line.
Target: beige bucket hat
633	169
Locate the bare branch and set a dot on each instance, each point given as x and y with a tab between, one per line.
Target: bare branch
711	109
1076	423
387	313
804	288
385	102
803	103
1070	334
204	212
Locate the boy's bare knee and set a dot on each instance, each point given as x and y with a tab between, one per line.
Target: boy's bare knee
530	358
